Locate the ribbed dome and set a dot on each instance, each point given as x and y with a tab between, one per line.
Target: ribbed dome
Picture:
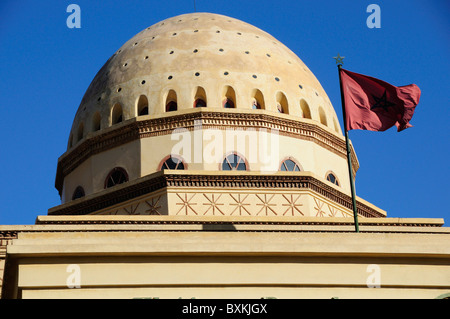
200	55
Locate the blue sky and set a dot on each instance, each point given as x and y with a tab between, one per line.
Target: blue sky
46	68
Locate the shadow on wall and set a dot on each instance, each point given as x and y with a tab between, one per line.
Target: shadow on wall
219	227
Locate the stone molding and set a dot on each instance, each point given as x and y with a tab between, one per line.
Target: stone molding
134	129
215	180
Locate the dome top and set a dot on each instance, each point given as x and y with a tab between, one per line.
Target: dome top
200	58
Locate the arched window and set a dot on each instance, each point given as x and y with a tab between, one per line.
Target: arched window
78	193
228	104
117	176
70	140
336	126
332	178
290	165
234	162
258	100
200	97
322	116
171	106
172	162
305	109
229	97
96	119
80	132
142	105
116	114
171	101
282	104
199	103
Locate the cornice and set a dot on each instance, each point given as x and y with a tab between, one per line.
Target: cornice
135	129
164	179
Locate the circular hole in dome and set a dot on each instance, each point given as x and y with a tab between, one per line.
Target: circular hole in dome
268	55
125	64
170	77
316	94
246	52
226	73
174	34
143	82
195	51
99	98
136	43
218	31
300	86
119	89
153	38
254	76
195	30
197	73
289	62
195	18
171	52
146	57
221	50
239	33
277	79
256	36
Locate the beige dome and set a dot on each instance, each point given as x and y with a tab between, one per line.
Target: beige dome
126	126
207	55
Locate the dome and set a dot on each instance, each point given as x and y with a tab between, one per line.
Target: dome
206	70
201	54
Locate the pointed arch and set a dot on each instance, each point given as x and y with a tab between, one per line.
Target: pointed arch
80	132
336	126
116	114
96	120
258	100
78	193
305	109
171	101
142	105
322	116
70	144
200	97
228	97
282	103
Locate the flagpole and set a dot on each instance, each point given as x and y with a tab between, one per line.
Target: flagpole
339	62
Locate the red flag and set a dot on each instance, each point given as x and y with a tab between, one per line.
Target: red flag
374	105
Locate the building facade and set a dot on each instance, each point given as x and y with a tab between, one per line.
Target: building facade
205	160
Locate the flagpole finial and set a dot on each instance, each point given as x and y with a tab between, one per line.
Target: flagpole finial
339	59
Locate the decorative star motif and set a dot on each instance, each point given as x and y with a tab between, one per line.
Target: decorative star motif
339	59
292	205
240	205
213	204
152	207
185	204
132	210
319	205
266	204
381	102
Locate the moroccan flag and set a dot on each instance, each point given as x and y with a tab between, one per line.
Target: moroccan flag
374	105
